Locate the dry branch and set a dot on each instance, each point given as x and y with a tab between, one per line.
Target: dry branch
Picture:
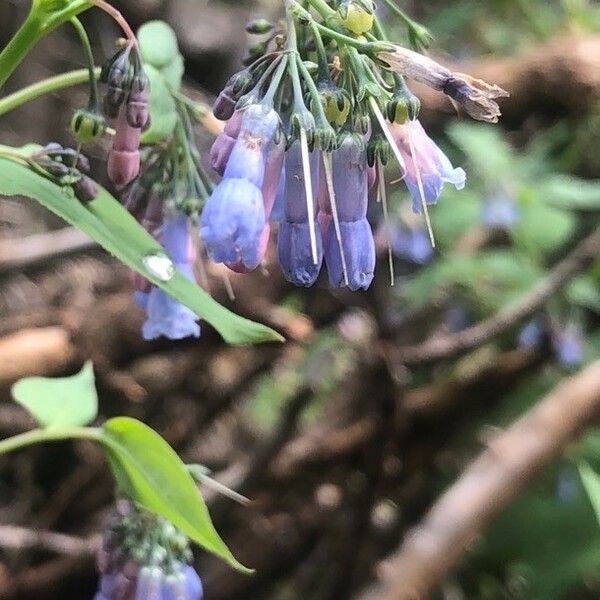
487	485
559	276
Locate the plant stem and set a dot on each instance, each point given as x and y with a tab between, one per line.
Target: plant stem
46	86
399	13
38	436
37	24
89	58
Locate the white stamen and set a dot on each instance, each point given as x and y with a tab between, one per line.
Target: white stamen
382	194
388	135
228	286
334	213
310	203
420	185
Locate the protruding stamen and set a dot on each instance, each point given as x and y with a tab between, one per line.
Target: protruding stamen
228	286
420	185
382	195
388	134
310	203
334	212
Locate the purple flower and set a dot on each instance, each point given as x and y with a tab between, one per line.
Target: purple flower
499	210
359	253
293	240
568	345
411	243
124	156
531	335
232	222
295	256
166	316
432	163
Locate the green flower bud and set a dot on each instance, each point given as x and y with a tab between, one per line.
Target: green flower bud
87	125
259	26
357	15
403	106
378	148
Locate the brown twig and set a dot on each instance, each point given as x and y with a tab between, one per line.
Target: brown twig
21	538
487	485
559	276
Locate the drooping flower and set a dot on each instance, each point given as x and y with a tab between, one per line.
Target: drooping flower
350	252
234	218
124	156
429	164
166	316
294	244
410	243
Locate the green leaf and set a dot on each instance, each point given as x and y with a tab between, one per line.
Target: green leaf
149	471
591	483
163	111
584	291
59	402
106	221
542	229
564	191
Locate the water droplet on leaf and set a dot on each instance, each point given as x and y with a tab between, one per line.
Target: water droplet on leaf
159	265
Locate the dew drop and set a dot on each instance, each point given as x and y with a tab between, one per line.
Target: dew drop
159	265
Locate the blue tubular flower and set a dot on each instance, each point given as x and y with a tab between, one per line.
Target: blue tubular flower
247	160
429	161
295	256
293	240
234	218
350	185
232	222
359	252
350	178
166	316
499	210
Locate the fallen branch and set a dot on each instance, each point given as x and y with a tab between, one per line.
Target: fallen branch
21	538
431	549
467	339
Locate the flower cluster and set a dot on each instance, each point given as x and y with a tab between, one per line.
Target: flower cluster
143	557
340	108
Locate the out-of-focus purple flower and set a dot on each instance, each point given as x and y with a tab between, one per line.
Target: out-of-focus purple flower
293	240
434	166
568	345
456	318
410	243
124	156
499	210
359	253
166	316
532	334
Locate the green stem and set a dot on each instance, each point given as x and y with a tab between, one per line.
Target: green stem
89	58
322	8
38	436
37	24
40	88
399	13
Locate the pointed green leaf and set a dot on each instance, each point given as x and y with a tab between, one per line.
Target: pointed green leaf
59	402
591	483
106	221
149	471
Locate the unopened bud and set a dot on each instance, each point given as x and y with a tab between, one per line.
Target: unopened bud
87	125
259	26
85	189
137	109
378	150
357	15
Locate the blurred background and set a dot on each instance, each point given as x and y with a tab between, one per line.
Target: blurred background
345	436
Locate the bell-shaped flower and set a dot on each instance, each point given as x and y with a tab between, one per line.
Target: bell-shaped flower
295	239
410	243
166	316
124	156
358	247
232	222
429	164
569	345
